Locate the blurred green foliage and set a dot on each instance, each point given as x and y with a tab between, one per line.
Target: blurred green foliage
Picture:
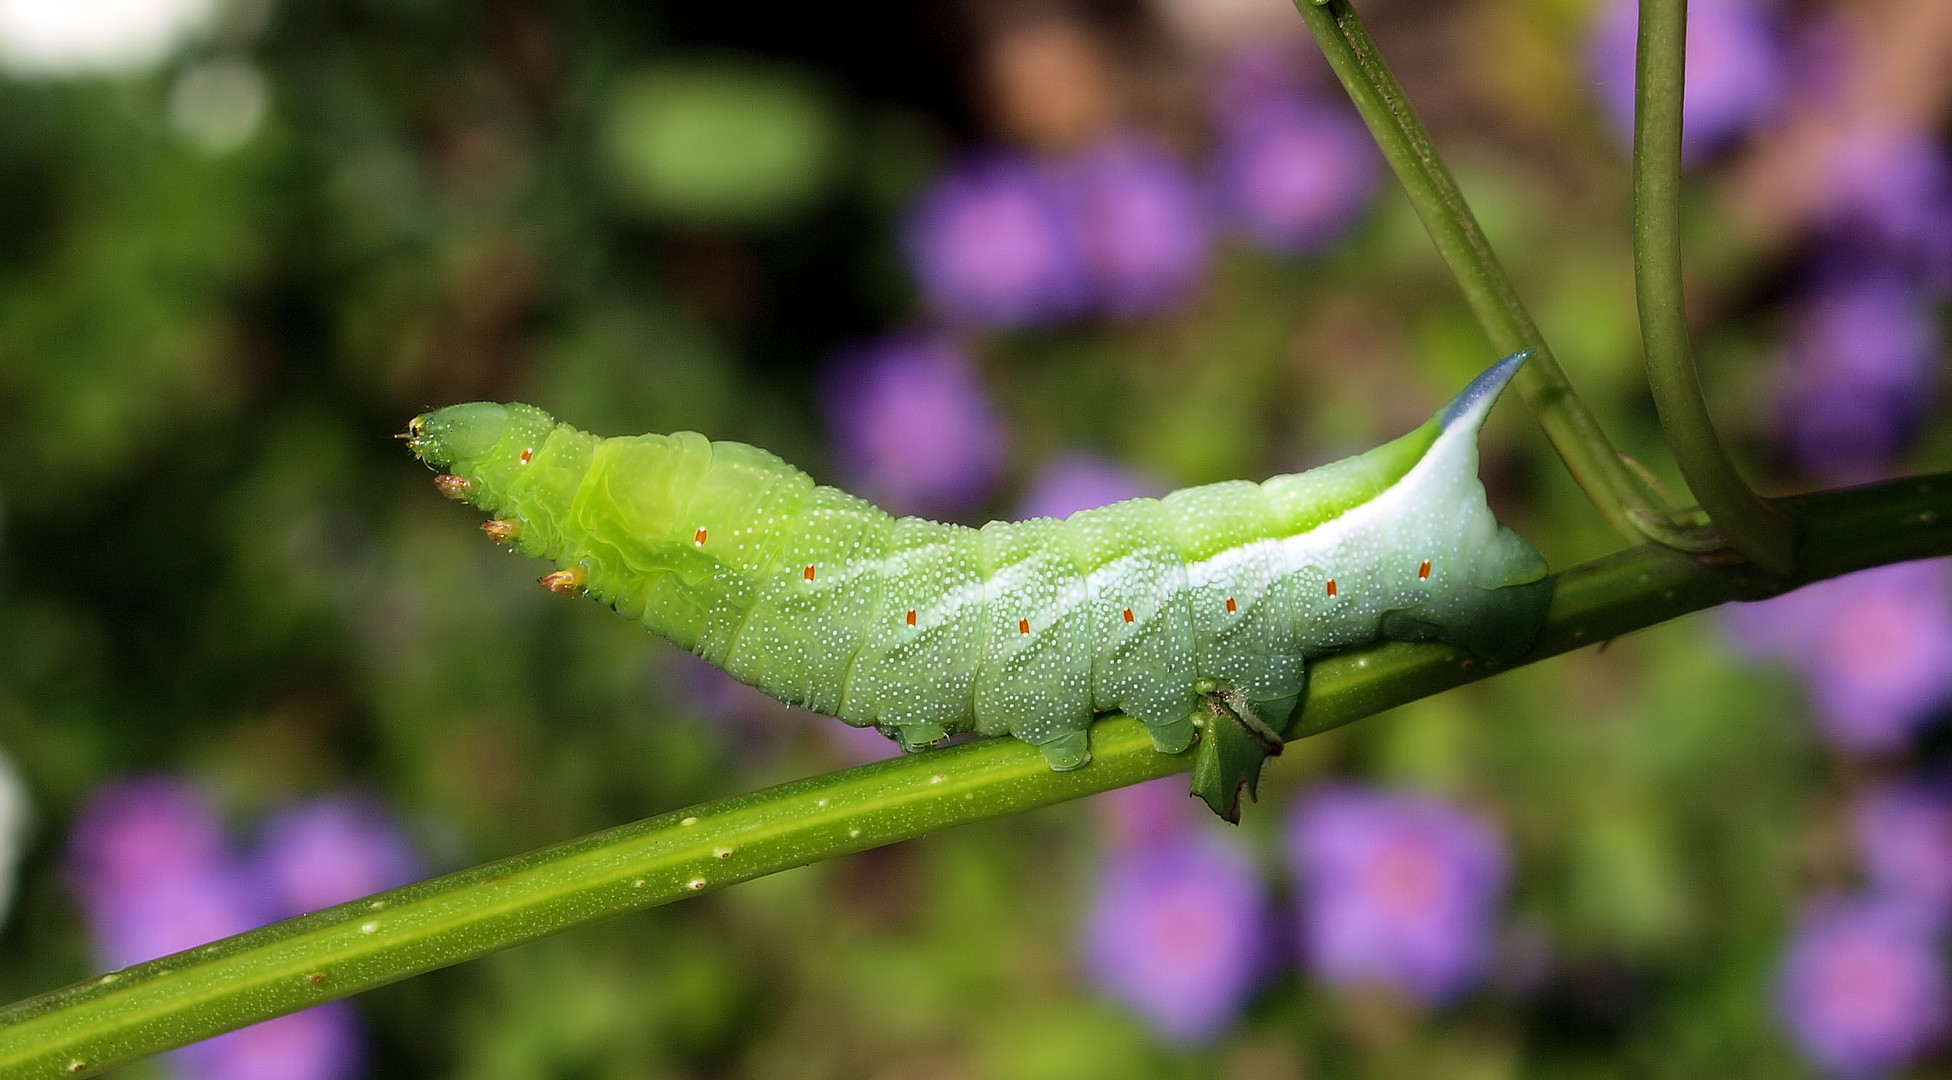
721	143
216	562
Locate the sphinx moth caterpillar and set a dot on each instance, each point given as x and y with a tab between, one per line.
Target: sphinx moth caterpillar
1197	613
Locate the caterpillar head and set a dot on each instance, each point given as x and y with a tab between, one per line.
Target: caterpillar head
457	435
478	445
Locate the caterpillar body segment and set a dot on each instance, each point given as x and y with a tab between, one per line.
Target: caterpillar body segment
916	678
1198	611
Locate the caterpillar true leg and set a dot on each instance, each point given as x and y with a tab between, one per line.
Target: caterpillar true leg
568	582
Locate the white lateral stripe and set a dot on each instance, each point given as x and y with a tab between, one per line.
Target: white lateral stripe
1316	547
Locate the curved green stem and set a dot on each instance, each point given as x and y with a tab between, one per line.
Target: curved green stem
193	995
1573	431
1750	523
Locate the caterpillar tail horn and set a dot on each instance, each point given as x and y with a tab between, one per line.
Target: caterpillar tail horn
1235	738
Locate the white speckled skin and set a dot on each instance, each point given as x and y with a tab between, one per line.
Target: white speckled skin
1031	628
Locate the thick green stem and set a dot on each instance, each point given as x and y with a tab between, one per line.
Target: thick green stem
1574	433
1750	524
330	954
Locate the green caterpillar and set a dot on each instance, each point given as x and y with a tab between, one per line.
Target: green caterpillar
1194	613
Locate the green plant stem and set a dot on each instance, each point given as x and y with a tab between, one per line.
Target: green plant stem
1750	523
290	965
1573	431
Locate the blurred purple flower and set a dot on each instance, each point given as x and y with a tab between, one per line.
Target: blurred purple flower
1396	889
331	850
149	864
1148	813
857	745
1077	482
1141	221
176	913
1887	196
1295	175
1875	649
1904	834
1735	70
991	243
142	834
761	727
325	1042
912	425
1180	931
1256	75
1858	373
1863	989
724	697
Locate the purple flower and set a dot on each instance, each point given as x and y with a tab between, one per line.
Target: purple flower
760	726
912	425
1295	175
1887	196
857	745
1179	930
1904	834
325	1042
1735	70
332	850
1859	368
991	243
1875	648
1255	75
138	835
1079	482
1148	813
1396	889
1141	221
149	863
716	692
172	915
1863	990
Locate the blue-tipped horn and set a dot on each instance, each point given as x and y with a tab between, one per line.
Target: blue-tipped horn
1485	388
